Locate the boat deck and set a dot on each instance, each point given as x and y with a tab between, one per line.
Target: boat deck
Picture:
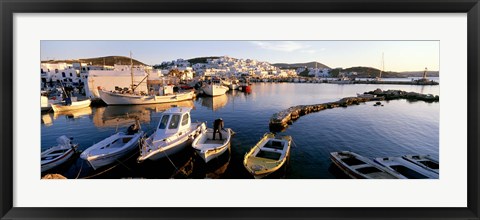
118	143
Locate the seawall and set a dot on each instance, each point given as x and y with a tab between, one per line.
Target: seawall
280	121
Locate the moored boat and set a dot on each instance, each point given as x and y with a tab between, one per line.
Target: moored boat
113	148
58	154
118	98
74	105
207	147
268	155
212	89
174	132
406	168
359	167
424	161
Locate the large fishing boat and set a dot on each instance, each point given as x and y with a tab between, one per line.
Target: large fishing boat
129	96
174	132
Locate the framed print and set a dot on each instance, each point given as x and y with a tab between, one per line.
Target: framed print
257	110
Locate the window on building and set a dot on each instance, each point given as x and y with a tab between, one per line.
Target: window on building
56	70
41	70
63	74
71	74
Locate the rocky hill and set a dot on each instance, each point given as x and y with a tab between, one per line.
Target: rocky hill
300	65
100	61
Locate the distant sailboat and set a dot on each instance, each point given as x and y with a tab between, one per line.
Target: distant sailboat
379	78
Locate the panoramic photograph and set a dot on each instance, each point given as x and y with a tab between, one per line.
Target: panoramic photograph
239	109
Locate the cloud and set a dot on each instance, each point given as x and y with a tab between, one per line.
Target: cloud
308	51
286	46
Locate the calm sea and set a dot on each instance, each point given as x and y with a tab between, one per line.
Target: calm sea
398	128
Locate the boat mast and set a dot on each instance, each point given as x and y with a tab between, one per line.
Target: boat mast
131	72
383	66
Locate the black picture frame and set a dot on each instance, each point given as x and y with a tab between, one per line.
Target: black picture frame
9	7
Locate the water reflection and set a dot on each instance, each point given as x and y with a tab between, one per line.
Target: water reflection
47	120
73	114
215	103
114	115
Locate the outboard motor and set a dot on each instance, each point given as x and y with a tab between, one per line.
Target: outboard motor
132	129
217	126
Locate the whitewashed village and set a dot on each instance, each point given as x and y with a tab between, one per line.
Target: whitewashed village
88	77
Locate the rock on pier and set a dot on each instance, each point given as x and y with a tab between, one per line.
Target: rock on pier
279	121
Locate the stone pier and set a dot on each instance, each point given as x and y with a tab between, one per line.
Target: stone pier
279	121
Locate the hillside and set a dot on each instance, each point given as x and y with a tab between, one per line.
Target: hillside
100	61
365	72
419	73
200	60
300	65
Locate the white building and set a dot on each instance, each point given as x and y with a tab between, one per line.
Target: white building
59	73
119	77
317	72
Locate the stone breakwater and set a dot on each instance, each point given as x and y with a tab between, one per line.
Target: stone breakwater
279	121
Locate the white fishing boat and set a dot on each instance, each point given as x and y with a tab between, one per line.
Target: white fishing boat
268	155
119	98
406	168
208	147
424	161
165	94
359	167
74	105
212	89
113	148
58	154
174	132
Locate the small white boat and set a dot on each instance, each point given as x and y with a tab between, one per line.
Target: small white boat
406	168
359	167
59	154
113	148
207	147
118	98
60	107
212	89
44	104
233	86
424	161
268	155
174	132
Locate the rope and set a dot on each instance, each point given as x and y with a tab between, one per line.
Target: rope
81	166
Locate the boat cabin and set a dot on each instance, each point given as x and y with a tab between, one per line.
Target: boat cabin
173	120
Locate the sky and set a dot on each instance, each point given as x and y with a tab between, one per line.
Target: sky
398	55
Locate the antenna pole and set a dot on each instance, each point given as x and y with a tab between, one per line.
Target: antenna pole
131	71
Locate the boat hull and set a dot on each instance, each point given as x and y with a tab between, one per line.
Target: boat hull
214	151
57	161
406	168
111	98
359	167
146	152
98	161
73	106
215	90
260	166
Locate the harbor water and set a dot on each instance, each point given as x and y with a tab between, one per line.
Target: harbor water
397	128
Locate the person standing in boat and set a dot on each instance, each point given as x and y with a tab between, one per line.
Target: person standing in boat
217	126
